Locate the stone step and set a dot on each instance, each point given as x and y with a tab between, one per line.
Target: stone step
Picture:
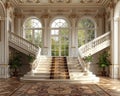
42	73
37	77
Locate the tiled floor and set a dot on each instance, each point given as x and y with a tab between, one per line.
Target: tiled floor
106	87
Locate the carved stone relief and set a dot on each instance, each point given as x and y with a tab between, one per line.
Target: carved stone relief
90	1
29	1
59	1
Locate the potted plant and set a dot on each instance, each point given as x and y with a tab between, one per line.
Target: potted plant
88	59
15	63
31	58
104	62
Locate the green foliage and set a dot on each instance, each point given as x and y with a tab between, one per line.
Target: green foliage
103	60
60	42
15	61
88	58
31	58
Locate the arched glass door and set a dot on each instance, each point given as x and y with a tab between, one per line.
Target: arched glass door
86	31
59	38
33	31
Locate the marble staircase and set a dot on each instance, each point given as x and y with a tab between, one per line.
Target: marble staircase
48	68
58	69
41	69
76	71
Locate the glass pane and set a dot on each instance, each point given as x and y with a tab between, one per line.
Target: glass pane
38	37
81	37
59	23
90	35
86	31
86	23
55	32
29	35
32	31
33	23
60	38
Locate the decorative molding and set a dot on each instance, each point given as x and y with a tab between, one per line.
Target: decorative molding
45	16
4	70
90	1
59	1
73	16
2	18
18	15
29	1
8	5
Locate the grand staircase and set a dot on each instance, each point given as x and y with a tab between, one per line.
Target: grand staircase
59	68
40	69
48	68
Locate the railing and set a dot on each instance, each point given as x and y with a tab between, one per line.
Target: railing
81	62
37	60
87	48
22	43
92	47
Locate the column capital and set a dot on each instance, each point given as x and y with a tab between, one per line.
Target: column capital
7	5
73	16
18	15
45	16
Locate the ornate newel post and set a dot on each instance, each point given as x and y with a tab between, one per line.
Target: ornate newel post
88	61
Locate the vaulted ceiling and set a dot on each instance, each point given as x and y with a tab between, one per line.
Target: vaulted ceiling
61	6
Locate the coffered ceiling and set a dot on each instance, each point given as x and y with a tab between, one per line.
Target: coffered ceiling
60	6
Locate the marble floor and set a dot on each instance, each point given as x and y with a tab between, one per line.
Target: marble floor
106	87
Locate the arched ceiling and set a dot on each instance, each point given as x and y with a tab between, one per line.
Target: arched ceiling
61	6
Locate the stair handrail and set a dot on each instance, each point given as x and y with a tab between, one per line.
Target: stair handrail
20	41
81	62
34	64
92	44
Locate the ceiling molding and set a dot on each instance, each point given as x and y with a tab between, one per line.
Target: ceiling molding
90	7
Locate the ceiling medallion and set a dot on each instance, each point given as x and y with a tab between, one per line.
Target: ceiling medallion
59	1
29	1
89	1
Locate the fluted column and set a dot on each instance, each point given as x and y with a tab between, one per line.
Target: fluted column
46	36
73	41
114	68
17	24
4	47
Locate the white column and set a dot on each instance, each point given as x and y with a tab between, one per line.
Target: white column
4	52
119	47
18	26
114	51
73	40
46	39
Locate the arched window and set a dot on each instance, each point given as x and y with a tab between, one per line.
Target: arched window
86	31
33	31
59	38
